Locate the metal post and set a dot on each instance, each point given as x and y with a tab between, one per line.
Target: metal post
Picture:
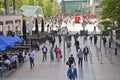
116	51
105	51
64	48
111	59
100	39
109	55
101	58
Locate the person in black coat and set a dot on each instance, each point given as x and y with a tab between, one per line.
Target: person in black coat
77	45
85	51
95	39
71	60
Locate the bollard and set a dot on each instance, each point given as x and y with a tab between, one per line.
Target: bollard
116	51
111	59
98	56
90	56
105	52
109	55
101	59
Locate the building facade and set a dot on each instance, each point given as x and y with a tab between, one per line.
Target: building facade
75	7
95	7
10	20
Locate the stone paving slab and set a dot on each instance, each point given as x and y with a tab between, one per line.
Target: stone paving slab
57	70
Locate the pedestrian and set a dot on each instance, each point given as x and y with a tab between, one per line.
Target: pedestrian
71	60
13	61
51	54
23	55
31	58
60	39
80	57
53	41
95	39
94	29
77	45
48	27
104	41
44	50
68	42
72	72
85	51
55	50
90	38
58	53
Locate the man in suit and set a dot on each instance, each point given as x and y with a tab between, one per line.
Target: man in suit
72	72
85	51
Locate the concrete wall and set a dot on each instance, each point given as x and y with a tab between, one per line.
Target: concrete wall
13	19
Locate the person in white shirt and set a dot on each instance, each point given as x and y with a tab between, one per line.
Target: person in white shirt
31	58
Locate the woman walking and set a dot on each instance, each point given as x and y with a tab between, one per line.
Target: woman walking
58	53
51	54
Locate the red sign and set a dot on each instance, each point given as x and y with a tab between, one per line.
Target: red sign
77	19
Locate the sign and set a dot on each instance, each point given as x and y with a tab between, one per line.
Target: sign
64	30
29	27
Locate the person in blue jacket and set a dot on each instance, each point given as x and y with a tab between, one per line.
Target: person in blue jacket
72	72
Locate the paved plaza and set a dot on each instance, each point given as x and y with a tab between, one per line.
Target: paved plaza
101	65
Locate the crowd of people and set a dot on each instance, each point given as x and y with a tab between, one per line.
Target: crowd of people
11	60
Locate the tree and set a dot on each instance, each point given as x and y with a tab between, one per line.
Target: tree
55	8
50	8
111	10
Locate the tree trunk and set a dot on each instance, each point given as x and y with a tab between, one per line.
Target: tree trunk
14	6
6	5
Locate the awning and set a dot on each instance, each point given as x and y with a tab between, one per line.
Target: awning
7	42
29	10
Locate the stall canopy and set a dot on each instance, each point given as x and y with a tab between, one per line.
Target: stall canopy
2	47
29	10
7	42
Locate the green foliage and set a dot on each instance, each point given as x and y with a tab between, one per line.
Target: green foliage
105	32
110	10
49	7
105	23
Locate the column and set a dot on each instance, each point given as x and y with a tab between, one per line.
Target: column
4	28
13	27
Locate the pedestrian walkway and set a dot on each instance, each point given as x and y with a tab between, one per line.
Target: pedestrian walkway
95	69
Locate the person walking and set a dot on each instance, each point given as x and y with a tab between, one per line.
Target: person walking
51	54
77	45
91	36
95	39
60	39
58	53
53	41
104	41
31	58
80	57
71	60
85	51
72	72
68	42
44	50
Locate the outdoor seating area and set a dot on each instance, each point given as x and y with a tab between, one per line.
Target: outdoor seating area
7	55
